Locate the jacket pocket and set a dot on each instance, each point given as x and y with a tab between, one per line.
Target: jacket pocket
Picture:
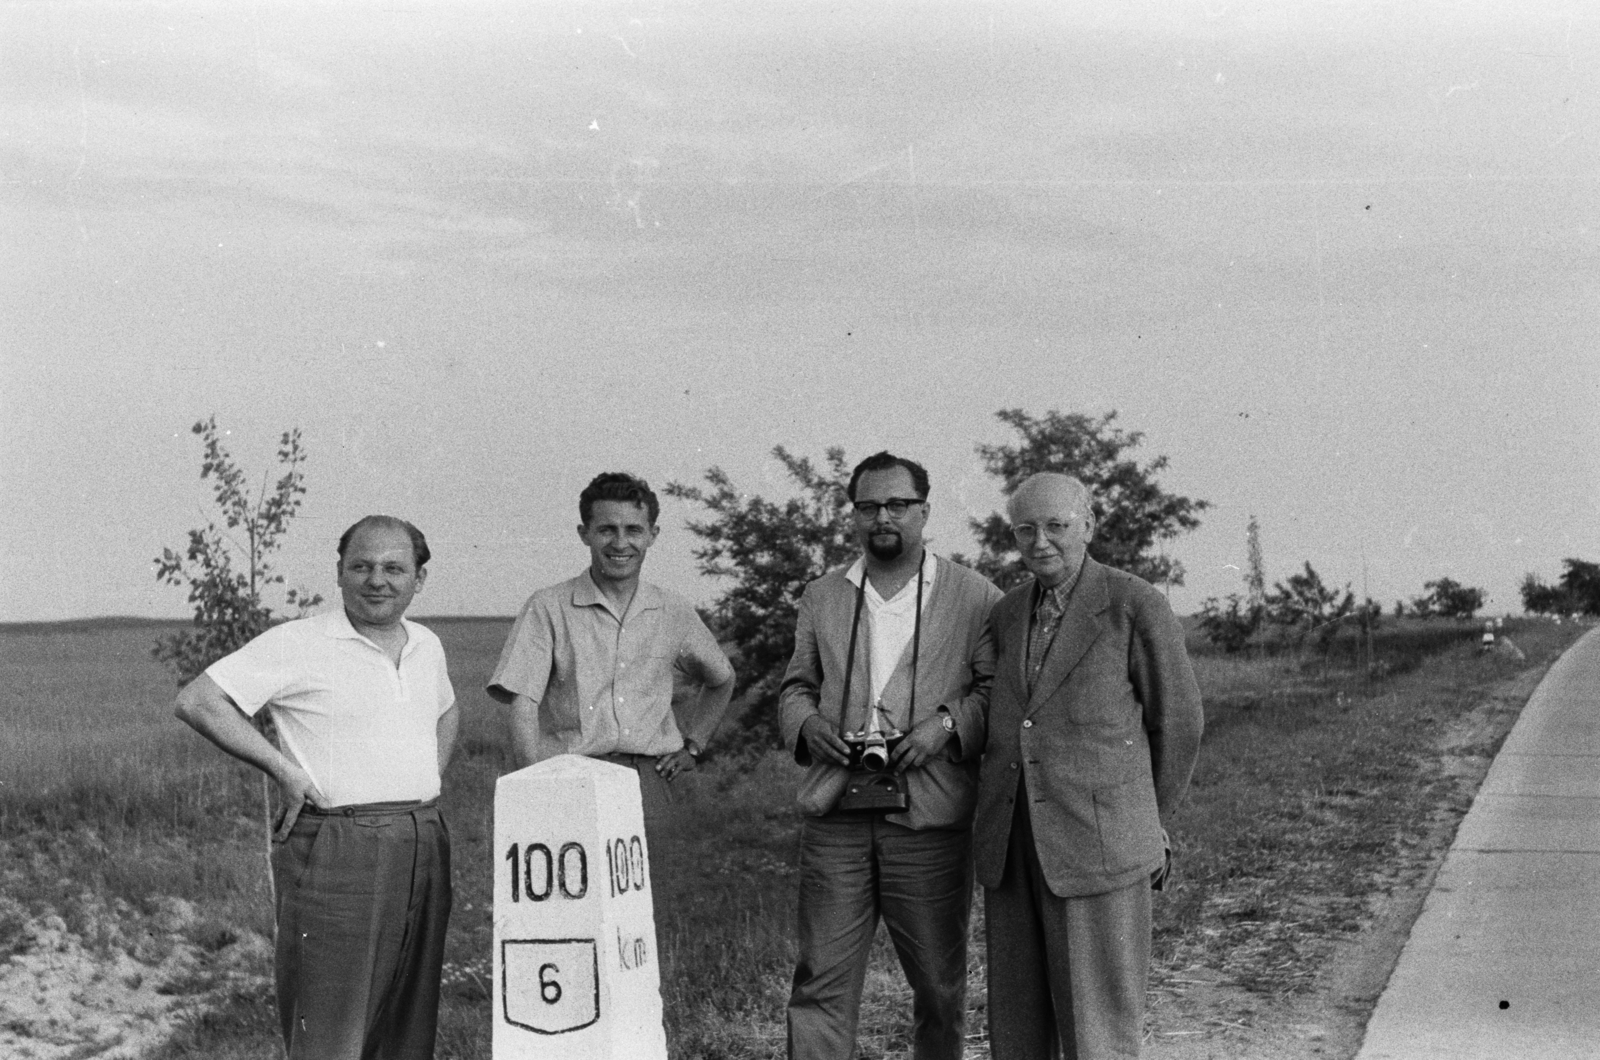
1129	826
1101	699
820	789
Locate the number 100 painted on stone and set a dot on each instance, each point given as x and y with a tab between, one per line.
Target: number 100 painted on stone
575	971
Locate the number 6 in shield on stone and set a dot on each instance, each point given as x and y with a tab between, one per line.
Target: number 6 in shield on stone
551	986
575	954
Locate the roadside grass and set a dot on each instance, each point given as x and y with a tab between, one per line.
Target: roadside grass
1314	787
1314	781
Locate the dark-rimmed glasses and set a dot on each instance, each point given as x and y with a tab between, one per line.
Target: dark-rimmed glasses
895	506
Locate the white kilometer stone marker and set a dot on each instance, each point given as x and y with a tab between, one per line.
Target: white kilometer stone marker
575	972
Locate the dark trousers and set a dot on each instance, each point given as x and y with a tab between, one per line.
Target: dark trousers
854	868
363	903
655	800
655	794
1067	976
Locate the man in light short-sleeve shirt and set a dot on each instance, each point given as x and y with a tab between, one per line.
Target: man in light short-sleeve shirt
363	706
589	666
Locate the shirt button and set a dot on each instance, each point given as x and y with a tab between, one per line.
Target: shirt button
1028	724
1013	765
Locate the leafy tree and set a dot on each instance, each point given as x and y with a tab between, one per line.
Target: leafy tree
768	551
1448	598
1133	513
227	568
1309	607
1582	580
1541	599
1577	591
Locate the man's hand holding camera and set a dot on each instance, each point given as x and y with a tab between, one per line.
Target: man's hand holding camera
823	740
925	740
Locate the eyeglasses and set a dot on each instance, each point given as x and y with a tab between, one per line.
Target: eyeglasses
1027	533
896	506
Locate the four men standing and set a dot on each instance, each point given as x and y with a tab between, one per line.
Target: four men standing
1074	690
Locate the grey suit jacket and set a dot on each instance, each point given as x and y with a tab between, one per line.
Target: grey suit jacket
1104	746
955	669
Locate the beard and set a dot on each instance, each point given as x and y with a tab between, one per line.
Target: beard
885	550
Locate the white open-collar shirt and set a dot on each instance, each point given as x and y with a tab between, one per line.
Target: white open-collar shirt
890	624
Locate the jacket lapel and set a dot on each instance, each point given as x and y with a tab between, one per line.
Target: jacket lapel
1080	628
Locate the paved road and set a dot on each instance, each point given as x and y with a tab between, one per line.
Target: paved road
1504	962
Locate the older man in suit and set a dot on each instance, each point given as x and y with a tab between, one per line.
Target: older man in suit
1094	726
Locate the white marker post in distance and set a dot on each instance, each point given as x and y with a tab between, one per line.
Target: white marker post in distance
575	972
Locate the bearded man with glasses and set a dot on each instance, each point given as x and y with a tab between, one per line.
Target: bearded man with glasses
895	643
1094	727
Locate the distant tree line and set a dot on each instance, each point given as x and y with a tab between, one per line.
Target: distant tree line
1304	610
1298	611
765	552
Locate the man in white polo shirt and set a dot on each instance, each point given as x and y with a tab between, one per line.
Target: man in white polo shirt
363	706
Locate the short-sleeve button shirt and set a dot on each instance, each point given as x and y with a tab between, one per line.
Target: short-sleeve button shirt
603	683
365	729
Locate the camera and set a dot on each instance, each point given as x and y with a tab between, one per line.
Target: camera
871	787
870	751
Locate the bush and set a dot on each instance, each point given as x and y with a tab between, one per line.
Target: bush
1230	626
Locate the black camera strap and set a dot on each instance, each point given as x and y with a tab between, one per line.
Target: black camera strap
855	629
850	657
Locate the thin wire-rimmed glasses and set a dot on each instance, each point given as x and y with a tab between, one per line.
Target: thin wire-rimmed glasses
1027	533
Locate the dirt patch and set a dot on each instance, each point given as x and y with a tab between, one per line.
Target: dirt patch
1199	1014
118	985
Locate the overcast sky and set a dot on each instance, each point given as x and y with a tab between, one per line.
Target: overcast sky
1336	260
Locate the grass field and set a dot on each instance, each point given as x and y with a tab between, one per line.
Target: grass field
1313	780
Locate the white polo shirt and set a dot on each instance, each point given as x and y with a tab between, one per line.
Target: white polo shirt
364	729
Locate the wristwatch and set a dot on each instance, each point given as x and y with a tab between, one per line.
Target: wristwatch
947	721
